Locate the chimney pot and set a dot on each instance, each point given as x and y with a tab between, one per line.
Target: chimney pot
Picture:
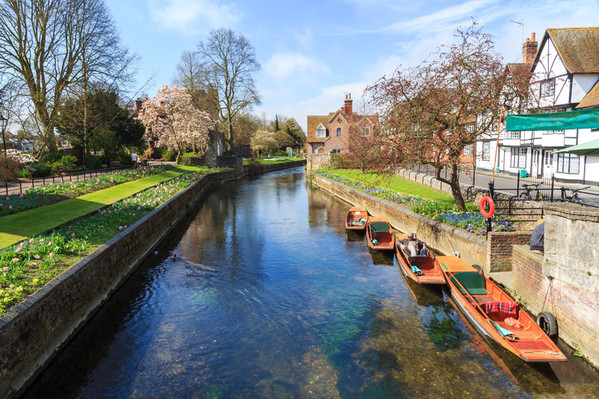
533	36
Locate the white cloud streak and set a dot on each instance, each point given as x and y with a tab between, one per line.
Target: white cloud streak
192	16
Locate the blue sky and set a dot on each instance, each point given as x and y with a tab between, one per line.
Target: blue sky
313	52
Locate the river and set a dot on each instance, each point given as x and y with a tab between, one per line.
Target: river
261	293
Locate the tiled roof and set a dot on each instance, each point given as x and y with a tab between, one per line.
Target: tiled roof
313	122
578	48
518	67
591	100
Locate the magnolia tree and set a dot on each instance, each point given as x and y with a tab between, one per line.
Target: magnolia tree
172	121
433	111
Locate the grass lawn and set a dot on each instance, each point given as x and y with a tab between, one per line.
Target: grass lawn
16	227
396	183
271	160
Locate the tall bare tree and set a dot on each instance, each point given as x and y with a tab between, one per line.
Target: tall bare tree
191	74
56	47
230	64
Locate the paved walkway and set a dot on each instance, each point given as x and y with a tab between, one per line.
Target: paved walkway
18	226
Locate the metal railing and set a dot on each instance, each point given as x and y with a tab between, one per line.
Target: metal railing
22	185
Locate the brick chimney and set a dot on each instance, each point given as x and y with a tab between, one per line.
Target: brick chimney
138	104
347	106
529	49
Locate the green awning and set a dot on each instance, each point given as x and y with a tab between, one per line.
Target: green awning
556	121
592	147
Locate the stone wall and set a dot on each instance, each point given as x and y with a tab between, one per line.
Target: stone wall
35	330
565	279
499	248
318	161
442	237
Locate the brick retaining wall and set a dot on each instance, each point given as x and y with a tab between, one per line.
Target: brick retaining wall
499	248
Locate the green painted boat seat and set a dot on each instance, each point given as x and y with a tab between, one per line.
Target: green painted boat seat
379	227
471	281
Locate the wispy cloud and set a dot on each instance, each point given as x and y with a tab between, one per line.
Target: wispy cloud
192	16
440	19
296	66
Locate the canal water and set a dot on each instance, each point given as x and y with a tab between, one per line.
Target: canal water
261	294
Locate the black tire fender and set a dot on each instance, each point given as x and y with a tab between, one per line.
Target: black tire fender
548	324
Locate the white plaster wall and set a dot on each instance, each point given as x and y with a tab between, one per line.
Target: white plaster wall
581	85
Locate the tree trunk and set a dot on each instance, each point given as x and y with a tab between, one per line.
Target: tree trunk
230	141
455	187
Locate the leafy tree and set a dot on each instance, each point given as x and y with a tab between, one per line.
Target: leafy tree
293	129
431	112
230	63
245	126
174	122
264	141
97	121
52	46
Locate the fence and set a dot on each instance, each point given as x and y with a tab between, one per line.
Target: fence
515	196
22	185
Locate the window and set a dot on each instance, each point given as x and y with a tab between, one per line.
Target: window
518	158
568	163
335	151
548	88
365	131
338	131
321	132
513	135
470	128
468	150
486	151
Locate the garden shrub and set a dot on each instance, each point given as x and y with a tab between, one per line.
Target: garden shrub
168	154
9	168
42	169
191	158
51	157
124	158
68	160
93	162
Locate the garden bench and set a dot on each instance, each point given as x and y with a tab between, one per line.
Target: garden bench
65	169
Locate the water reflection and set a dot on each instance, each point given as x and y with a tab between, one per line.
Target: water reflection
267	297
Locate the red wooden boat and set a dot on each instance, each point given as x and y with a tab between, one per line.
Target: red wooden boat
356	218
424	269
380	234
495	315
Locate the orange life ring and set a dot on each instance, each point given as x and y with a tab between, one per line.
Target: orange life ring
491	211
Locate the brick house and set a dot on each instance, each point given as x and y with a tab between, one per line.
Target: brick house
331	133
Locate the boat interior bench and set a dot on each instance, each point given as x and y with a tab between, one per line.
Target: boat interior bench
473	282
423	262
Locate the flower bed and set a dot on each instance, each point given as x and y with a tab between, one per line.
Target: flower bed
55	192
471	221
30	264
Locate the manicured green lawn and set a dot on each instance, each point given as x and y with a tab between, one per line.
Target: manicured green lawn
396	183
271	160
16	227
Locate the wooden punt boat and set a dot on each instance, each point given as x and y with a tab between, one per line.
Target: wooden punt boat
380	234
495	315
424	269
356	218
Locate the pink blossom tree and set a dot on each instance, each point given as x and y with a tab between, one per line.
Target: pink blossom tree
172	121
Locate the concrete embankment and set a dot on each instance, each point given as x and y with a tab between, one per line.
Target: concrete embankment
35	330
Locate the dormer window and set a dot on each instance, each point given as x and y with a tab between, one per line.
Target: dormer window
321	132
365	131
